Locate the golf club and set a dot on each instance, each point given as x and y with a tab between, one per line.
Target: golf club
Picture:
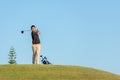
24	31
27	31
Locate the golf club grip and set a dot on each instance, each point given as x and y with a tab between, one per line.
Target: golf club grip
38	30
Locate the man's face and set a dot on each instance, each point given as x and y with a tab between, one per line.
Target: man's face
33	29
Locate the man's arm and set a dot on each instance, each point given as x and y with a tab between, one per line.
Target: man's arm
38	32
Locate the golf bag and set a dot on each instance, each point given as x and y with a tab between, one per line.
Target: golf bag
44	60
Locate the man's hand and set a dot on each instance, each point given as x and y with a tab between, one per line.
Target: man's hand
39	32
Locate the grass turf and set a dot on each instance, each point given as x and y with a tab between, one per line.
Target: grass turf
53	72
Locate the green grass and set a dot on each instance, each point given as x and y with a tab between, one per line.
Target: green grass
53	72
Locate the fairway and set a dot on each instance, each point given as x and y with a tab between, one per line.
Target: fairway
53	72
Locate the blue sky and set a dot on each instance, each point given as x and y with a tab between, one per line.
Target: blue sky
74	32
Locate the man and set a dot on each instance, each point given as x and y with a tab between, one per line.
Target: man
36	46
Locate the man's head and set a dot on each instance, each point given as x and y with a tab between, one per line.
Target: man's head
33	28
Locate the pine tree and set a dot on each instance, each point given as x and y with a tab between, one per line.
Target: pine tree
12	56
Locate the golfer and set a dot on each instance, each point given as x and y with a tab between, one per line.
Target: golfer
36	46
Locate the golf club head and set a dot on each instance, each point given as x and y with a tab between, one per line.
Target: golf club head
40	55
45	58
22	32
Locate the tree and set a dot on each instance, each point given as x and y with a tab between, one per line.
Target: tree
12	56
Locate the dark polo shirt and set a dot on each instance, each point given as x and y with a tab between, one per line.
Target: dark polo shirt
35	38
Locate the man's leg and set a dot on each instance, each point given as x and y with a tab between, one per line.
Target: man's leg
38	54
34	53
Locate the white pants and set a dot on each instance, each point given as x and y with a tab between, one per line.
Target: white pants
36	53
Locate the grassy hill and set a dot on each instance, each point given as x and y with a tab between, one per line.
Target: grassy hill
53	72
